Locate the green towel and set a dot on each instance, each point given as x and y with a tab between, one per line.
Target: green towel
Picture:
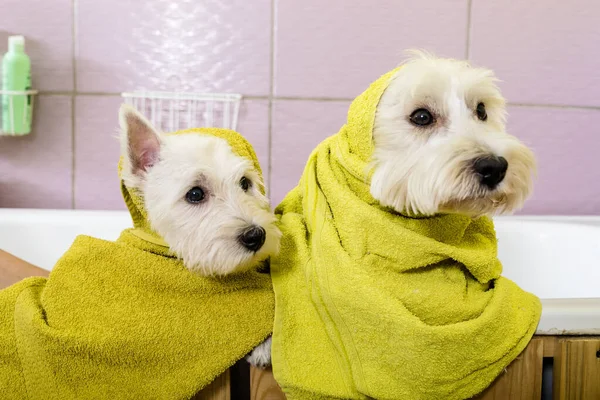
127	320
370	303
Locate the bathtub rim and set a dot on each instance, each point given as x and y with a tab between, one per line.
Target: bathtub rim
574	316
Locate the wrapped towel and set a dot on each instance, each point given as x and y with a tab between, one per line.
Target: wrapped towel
370	303
127	320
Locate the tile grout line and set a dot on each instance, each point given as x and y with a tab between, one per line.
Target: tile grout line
270	97
555	106
74	93
322	99
468	38
73	99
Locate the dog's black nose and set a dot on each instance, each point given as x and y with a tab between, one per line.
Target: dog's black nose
253	238
491	170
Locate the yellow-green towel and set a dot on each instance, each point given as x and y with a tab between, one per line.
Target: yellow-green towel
127	320
370	303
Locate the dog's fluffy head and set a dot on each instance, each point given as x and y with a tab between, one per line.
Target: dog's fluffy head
199	196
441	145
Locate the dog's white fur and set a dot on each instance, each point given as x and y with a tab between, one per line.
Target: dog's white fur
163	168
261	355
428	170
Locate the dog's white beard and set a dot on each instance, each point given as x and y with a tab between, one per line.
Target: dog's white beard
207	240
439	177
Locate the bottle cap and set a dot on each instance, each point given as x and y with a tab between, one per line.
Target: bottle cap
16	43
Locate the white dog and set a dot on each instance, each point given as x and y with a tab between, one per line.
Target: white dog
202	199
441	145
386	260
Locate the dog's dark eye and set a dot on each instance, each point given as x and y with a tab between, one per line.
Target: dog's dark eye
481	113
195	195
421	117
245	183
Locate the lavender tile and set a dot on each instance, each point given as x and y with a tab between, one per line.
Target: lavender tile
48	30
298	127
566	144
540	49
97	149
254	125
334	49
97	153
214	46
35	170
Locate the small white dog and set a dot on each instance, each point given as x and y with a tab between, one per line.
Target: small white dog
203	199
441	145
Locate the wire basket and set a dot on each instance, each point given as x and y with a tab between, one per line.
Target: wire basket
17	112
172	111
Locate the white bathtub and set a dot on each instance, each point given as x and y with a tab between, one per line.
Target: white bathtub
557	258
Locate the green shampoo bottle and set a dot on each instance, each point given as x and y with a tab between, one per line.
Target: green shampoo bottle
16	78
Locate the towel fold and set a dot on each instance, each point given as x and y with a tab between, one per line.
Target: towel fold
371	303
127	320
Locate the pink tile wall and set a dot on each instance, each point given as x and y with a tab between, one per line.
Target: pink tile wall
543	50
35	170
212	45
298	126
48	29
335	48
96	183
566	142
299	64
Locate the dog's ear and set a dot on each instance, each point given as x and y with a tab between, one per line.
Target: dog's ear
140	142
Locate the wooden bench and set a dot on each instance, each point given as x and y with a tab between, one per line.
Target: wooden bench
575	368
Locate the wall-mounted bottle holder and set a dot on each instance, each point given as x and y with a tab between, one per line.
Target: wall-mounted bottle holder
17	112
172	111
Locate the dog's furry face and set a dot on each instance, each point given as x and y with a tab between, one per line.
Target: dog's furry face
201	197
441	146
